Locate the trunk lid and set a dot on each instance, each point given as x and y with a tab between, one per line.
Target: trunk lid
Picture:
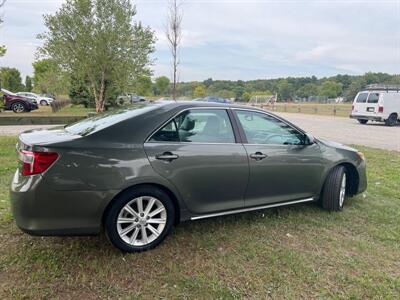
45	137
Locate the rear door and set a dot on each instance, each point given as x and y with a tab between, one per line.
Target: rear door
282	166
366	104
197	152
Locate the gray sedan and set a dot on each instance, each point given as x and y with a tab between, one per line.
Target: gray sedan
138	171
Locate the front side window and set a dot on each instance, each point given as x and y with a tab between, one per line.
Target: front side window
373	98
197	126
264	129
362	98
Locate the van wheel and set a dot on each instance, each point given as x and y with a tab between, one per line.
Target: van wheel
392	120
334	190
362	121
139	219
18	107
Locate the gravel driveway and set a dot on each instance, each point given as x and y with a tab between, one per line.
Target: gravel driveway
348	131
343	130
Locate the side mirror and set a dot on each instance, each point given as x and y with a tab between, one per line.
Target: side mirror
309	139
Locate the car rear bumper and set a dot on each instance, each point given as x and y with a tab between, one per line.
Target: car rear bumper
40	210
379	118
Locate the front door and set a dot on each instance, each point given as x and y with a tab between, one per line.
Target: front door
282	166
197	152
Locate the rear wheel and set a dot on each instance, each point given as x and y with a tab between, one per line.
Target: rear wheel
43	102
362	121
139	219
18	107
392	120
334	191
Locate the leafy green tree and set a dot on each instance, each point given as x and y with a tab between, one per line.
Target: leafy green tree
199	91
285	90
309	89
331	89
98	42
246	96
161	85
11	79
79	92
226	94
28	84
142	86
48	78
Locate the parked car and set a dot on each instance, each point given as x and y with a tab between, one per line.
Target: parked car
127	98
379	103
42	100
17	103
183	161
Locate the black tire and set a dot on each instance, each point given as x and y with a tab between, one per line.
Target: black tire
362	121
330	197
392	120
43	102
110	222
19	107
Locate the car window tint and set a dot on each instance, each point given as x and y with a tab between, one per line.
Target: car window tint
263	129
199	126
362	98
373	98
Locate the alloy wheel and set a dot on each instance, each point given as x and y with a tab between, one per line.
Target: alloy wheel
18	108
141	221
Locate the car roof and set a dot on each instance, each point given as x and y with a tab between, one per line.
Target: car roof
195	104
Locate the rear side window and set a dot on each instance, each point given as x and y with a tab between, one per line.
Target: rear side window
97	123
362	98
197	126
373	98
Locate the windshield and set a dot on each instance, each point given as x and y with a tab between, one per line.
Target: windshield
96	123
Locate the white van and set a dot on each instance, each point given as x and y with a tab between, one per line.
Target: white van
379	103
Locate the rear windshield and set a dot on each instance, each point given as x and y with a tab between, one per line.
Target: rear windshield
373	98
96	123
362	98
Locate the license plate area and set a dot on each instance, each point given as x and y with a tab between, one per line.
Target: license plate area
370	109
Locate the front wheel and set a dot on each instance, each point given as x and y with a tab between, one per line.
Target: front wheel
139	219
334	190
362	121
43	102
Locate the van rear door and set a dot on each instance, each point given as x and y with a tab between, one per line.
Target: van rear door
366	104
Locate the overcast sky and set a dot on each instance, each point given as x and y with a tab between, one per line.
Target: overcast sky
232	39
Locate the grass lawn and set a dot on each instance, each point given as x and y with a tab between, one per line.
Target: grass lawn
294	252
70	110
342	110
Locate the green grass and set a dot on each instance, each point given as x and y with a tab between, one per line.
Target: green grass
294	252
342	110
70	110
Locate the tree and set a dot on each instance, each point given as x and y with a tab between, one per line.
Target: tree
308	90
28	84
246	96
48	78
161	85
11	79
285	90
174	36
331	89
142	86
226	94
199	91
3	48
98	42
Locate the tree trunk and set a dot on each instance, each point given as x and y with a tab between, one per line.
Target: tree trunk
99	94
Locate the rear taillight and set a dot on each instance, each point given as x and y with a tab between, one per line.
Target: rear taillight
380	109
36	162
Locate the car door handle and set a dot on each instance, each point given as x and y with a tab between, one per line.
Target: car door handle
167	156
258	156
